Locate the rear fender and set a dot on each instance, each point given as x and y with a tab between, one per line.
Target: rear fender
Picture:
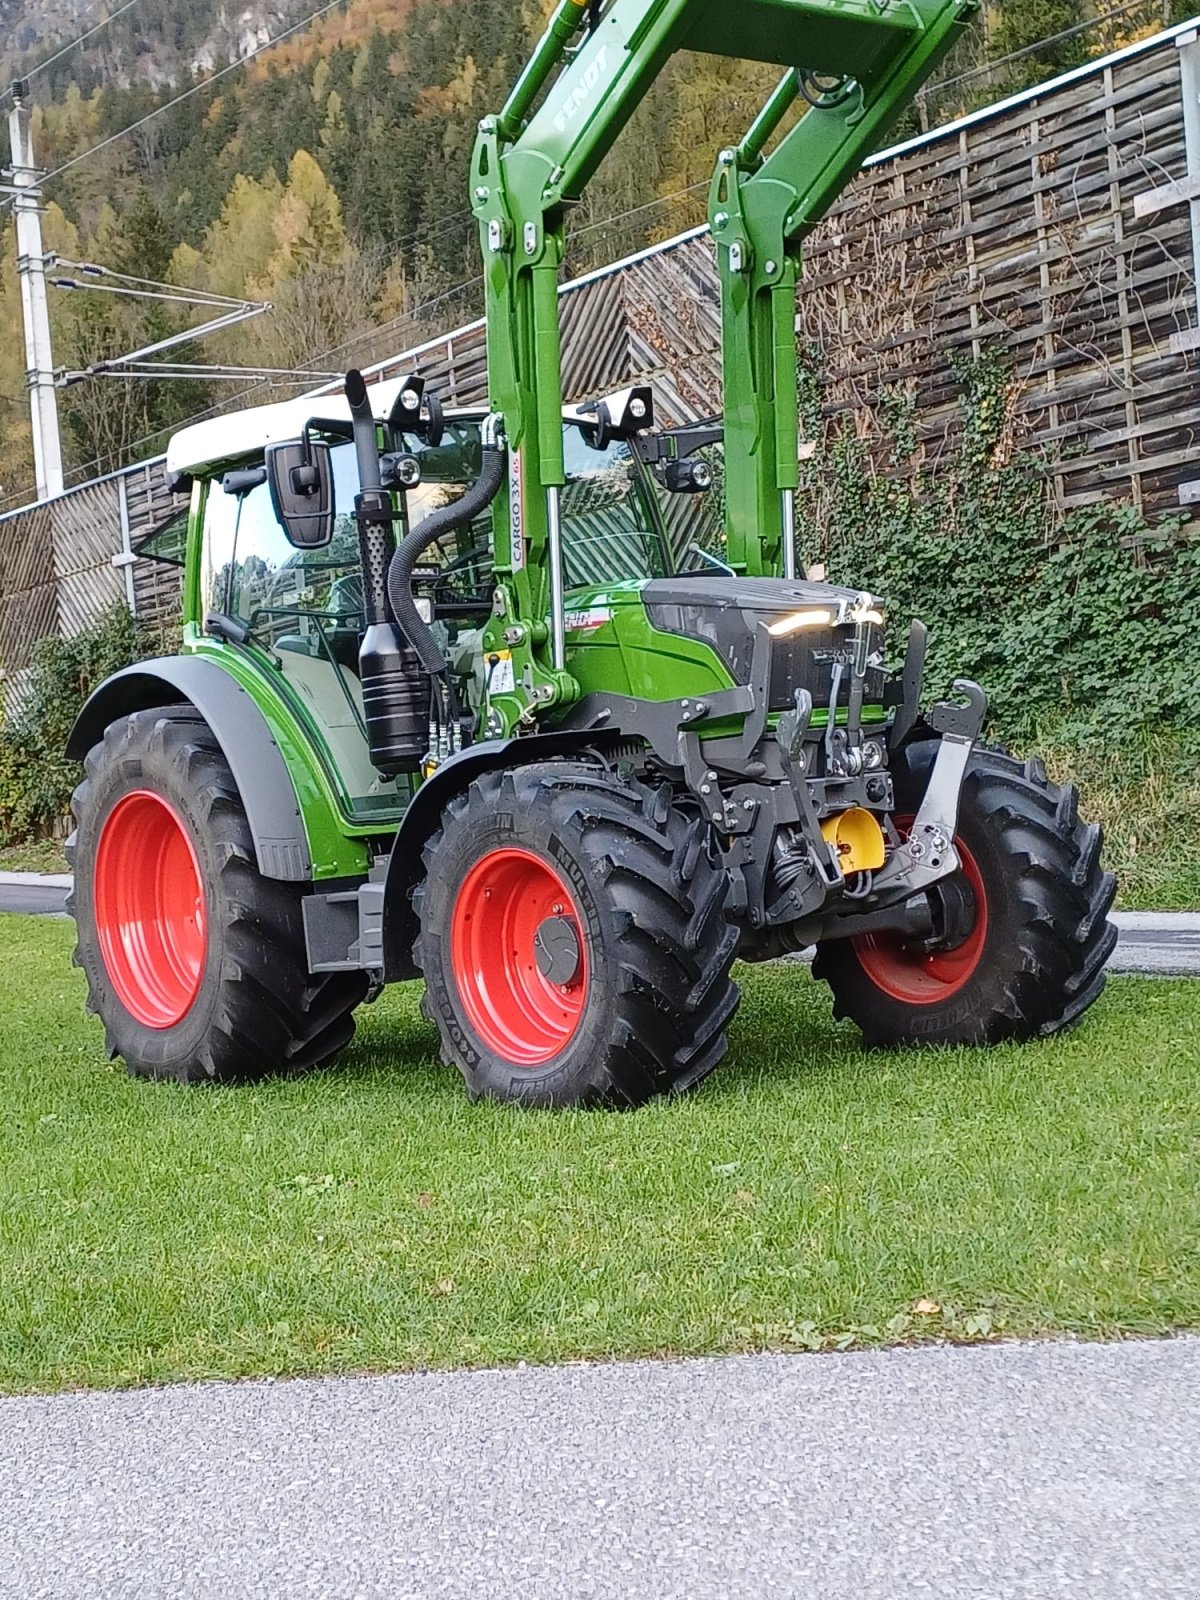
259	770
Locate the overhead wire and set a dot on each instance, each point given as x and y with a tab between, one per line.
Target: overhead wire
1039	44
471	283
375	333
231	400
32	72
195	88
635	211
441	226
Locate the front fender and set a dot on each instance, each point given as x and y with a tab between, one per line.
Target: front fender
259	770
423	818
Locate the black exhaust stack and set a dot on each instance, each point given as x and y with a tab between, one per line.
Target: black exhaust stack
396	689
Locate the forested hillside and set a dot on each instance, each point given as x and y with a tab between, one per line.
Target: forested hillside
327	173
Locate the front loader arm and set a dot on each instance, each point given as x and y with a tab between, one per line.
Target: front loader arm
535	159
760	211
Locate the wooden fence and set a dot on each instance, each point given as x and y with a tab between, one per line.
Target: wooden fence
1061	227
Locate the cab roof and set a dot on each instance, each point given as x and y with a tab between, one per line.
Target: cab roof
239	434
248	433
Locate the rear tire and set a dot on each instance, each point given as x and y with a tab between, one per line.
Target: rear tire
1030	959
195	963
573	940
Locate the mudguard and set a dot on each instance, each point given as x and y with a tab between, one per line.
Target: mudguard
423	818
240	728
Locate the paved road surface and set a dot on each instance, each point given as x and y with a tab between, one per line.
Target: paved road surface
1019	1472
1163	942
35	893
1151	941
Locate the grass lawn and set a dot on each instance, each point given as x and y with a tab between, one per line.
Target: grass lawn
368	1217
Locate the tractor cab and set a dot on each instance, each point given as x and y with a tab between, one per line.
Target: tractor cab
300	605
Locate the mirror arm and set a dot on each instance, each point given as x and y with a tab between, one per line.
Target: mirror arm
218	626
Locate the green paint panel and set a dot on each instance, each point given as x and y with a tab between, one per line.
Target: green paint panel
853	36
334	843
626	655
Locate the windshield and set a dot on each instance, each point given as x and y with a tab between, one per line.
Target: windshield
610	530
610	523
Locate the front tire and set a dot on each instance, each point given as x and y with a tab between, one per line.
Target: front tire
573	940
195	963
1028	910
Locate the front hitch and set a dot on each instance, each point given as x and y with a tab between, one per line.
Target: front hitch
928	853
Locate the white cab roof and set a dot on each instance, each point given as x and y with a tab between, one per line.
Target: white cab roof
249	432
245	433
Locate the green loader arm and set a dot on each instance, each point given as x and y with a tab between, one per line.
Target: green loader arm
535	159
760	210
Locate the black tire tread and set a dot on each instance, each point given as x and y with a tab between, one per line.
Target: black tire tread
1057	960
673	949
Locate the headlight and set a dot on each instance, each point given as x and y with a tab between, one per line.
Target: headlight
799	620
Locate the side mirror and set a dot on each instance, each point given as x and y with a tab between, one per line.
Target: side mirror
301	479
687	477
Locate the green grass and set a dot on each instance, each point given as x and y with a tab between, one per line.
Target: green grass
369	1218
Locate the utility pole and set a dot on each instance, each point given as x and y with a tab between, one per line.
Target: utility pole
31	269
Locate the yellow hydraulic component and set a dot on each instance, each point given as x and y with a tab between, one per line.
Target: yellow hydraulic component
858	840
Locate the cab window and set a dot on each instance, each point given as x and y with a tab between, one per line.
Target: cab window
304	607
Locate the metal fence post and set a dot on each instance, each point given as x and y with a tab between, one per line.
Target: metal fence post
126	558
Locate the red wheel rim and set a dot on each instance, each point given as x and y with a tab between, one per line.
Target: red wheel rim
150	909
925	977
518	1012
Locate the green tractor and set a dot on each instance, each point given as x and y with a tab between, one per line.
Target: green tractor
512	702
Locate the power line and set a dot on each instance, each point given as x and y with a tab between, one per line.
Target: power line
398	321
231	400
75	43
445	224
401	318
453	221
623	216
232	66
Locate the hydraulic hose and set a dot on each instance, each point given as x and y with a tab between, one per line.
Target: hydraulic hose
400	573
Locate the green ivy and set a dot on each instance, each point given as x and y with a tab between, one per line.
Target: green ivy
1085	623
36	779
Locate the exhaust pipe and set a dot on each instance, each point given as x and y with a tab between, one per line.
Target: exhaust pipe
396	691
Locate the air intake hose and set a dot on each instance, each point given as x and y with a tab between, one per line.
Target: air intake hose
400	573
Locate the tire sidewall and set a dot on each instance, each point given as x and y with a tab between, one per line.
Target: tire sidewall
462	846
166	1048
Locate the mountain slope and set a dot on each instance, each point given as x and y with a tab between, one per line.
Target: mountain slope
155	42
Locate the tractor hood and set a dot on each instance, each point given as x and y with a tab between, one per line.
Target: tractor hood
812	625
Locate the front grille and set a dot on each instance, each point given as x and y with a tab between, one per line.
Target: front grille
806	660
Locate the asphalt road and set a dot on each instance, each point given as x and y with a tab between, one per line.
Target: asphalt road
1019	1472
33	894
1162	942
1152	942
